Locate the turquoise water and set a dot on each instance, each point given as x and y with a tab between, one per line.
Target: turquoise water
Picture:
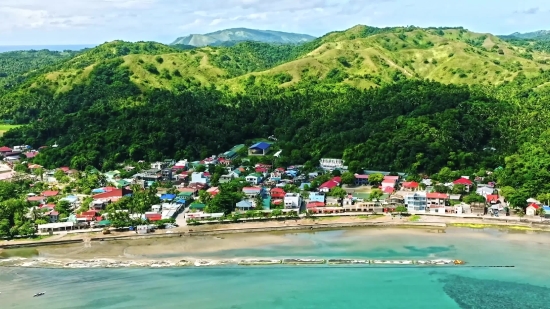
524	286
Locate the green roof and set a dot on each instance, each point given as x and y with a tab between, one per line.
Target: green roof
197	206
185	193
104	222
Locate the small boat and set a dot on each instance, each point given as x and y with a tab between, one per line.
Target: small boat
39	294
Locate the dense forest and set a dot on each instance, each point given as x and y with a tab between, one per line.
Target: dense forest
405	123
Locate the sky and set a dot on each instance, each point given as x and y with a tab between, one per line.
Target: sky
63	22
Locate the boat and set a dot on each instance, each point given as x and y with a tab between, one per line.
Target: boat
39	294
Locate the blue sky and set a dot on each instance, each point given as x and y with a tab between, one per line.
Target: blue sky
47	22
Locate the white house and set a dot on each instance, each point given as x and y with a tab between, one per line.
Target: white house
199	177
331	164
254	179
531	210
293	201
484	191
416	202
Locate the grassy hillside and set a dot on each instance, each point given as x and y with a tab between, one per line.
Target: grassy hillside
363	57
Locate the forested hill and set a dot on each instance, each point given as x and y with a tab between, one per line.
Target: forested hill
395	99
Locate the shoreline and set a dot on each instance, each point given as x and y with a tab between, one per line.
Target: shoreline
278	226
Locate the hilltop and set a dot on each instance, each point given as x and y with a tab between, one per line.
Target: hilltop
361	57
229	37
538	35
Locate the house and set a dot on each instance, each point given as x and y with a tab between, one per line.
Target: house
88	216
122	183
436	199
485	191
244	205
467	183
153	217
167	174
410	186
388	190
277	193
158	165
331	164
317	197
315	205
532	209
4	150
167	197
232	153
113	195
252	192
50	193
327	186
226	178
31	154
197	186
197	207
213	191
149	175
261	170
361	180
293	201
254	179
259	149
199	177
389	181
37	199
416	202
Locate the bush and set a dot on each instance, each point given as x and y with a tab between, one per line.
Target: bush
151	68
159	59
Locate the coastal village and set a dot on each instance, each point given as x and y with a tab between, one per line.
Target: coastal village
241	184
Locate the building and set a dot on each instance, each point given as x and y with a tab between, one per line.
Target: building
532	209
410	186
232	153
254	179
389	182
244	205
467	183
199	177
226	178
259	149
277	193
293	201
331	164
361	180
252	192
329	185
416	202
317	197
112	195
149	175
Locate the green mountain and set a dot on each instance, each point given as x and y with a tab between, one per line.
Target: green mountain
232	36
538	35
399	99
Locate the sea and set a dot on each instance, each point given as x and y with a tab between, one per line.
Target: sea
8	48
478	284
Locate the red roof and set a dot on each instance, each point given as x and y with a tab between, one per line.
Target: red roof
153	217
64	168
50	193
35	198
31	154
116	193
277	202
357	176
329	184
54	213
89	213
388	190
391	178
5	149
534	205
315	205
410	185
280	169
492	198
463	181
437	195
261	170
338	179
277	193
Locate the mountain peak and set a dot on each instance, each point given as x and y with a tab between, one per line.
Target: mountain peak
234	35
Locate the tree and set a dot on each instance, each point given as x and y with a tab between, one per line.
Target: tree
544	198
459	189
348	178
375	194
200	169
63	207
336	173
21	168
473	198
58	175
39	172
376	178
338	192
541	212
439	188
355	167
277	213
401	209
205	197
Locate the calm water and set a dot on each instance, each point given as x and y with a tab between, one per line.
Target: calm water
524	286
7	48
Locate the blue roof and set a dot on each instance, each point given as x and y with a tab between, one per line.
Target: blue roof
244	204
261	145
546	208
168	197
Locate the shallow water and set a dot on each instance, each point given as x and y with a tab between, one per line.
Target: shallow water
244	287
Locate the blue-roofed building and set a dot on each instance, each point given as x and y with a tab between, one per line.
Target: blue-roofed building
259	149
316	197
167	197
244	205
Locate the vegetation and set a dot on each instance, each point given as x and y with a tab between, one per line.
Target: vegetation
441	101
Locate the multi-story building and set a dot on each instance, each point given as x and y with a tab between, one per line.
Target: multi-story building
293	201
416	202
331	164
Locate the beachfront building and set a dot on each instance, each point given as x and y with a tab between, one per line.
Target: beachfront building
293	201
331	164
416	202
436	202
